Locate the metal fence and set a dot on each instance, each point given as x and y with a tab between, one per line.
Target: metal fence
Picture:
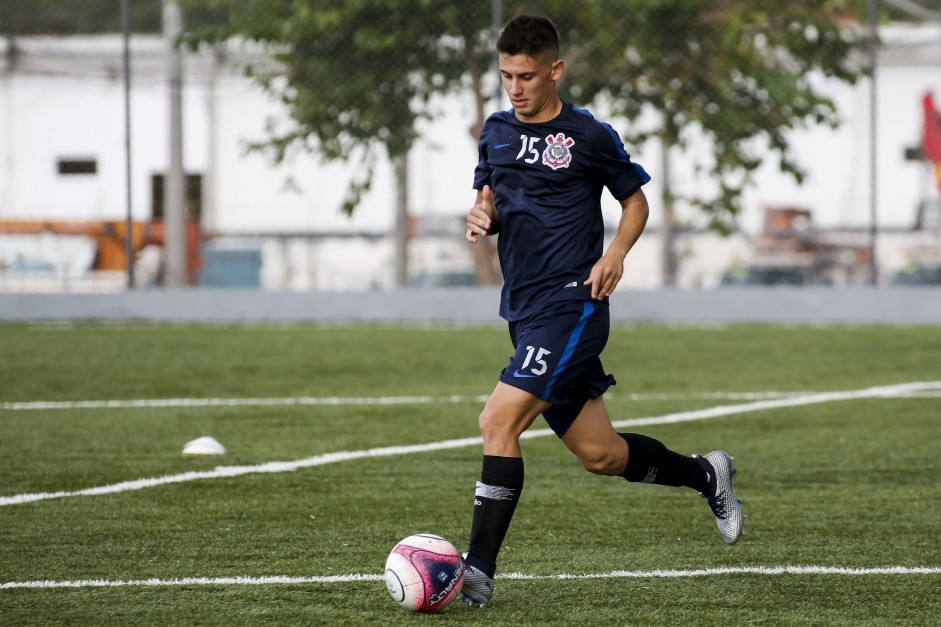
330	144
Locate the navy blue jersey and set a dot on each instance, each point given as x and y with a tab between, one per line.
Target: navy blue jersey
547	181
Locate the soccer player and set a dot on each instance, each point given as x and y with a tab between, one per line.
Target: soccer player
539	180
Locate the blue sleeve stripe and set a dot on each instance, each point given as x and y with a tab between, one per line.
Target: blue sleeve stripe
582	111
576	335
617	141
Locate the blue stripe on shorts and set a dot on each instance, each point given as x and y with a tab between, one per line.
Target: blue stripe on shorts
587	312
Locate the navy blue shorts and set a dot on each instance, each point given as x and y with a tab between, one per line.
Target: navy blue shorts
557	358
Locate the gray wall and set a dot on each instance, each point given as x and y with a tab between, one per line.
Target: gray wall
470	305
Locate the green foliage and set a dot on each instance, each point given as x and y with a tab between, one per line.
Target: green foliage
740	73
81	17
357	74
844	484
73	17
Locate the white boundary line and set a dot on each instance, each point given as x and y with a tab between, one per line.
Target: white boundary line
615	574
248	402
337	401
346	400
219	472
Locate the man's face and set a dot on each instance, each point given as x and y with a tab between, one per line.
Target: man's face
530	84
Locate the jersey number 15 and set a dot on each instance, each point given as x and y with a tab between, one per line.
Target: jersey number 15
529	148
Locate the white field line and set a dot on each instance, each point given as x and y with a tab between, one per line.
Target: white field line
219	472
884	391
246	402
347	400
383	400
355	578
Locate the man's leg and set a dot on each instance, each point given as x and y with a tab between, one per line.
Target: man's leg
639	458
507	414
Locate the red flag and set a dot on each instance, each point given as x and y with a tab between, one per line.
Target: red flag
931	135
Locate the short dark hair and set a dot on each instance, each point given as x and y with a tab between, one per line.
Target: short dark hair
531	35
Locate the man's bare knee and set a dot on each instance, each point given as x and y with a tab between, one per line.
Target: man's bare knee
488	423
507	414
496	431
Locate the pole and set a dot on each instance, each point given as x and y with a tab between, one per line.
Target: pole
174	206
129	220
210	180
873	127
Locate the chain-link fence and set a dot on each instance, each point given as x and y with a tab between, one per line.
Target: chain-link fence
330	144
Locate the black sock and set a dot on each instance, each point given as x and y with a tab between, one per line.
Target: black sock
649	461
498	492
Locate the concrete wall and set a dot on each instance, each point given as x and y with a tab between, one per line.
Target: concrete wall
479	306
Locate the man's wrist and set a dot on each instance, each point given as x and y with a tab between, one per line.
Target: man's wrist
617	250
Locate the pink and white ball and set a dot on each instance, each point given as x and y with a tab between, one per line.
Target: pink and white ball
424	573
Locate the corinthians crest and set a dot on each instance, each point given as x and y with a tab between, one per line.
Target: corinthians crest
557	154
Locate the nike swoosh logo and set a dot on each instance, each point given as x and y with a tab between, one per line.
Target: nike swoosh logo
520	375
499	146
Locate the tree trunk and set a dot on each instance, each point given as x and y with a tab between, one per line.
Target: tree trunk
486	265
670	261
401	220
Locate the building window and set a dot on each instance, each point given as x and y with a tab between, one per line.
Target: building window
194	196
77	167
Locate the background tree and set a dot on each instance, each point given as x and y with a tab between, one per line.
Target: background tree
734	72
356	75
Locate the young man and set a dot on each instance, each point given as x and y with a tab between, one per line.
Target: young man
542	168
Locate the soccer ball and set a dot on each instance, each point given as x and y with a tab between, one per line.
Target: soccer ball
424	573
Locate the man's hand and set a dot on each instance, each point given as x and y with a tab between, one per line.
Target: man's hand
482	219
605	275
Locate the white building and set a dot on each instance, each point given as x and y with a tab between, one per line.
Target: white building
62	139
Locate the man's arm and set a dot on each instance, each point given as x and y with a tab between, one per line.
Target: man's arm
607	272
483	218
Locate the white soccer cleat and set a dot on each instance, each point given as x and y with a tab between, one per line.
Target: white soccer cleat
727	509
478	587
